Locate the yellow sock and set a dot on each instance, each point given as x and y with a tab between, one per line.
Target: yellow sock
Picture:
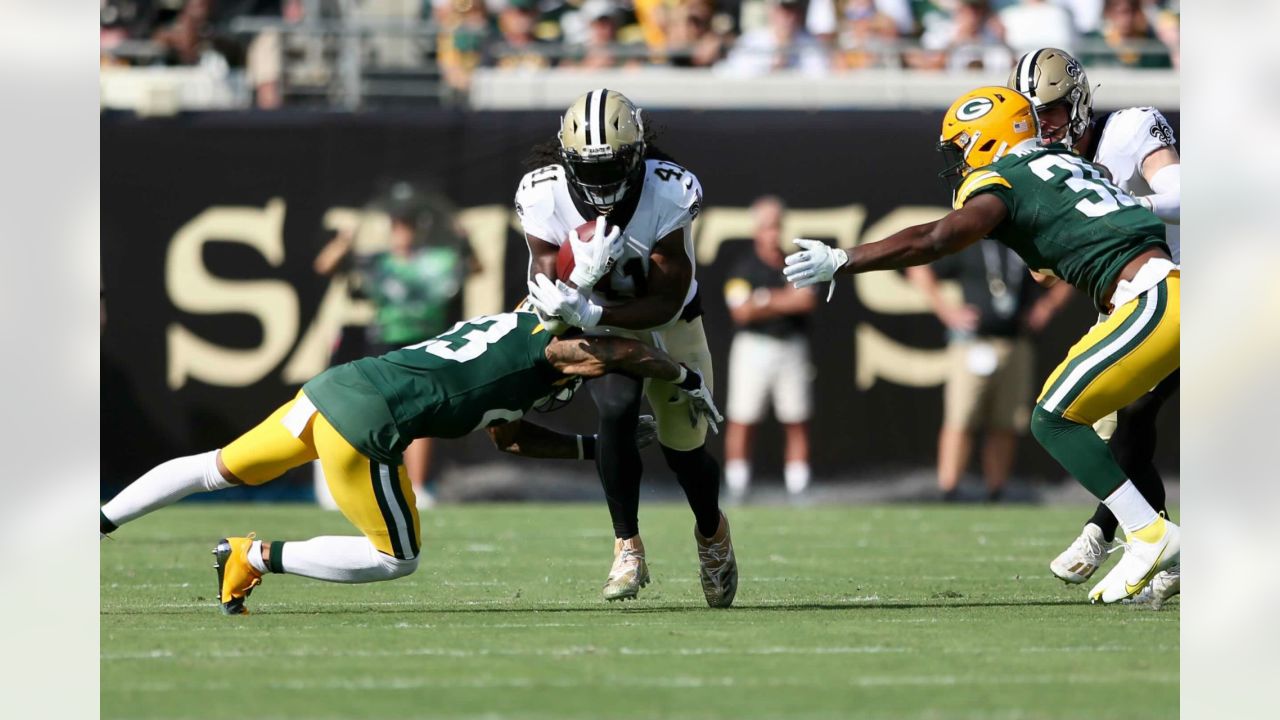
1151	533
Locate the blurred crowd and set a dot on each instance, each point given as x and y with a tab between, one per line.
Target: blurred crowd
736	37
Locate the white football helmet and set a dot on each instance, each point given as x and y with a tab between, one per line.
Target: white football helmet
1049	76
602	147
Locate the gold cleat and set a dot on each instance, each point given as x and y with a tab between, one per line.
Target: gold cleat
629	572
719	566
236	577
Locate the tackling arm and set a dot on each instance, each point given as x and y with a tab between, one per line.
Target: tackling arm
670	272
521	437
594	356
922	244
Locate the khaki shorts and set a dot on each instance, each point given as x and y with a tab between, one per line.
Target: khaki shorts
989	384
686	342
763	368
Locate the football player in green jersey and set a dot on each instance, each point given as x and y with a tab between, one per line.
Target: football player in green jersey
1067	221
358	418
1137	146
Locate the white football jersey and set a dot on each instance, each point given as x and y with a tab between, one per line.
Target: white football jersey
670	198
1127	137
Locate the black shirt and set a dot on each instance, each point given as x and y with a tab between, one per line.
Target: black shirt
752	270
978	268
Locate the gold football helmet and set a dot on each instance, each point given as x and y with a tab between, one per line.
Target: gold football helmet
1049	76
981	126
602	147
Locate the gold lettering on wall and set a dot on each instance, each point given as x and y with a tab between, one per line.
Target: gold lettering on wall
193	289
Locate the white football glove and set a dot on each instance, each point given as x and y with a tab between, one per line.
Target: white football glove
700	400
646	431
561	301
593	260
816	263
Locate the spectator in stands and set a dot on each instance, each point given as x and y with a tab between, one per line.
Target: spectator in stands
414	284
1086	15
782	45
692	37
460	47
1168	27
599	49
187	38
867	37
990	359
1126	39
655	18
769	357
516	47
969	38
1033	24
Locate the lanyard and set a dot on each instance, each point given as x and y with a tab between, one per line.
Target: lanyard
1004	286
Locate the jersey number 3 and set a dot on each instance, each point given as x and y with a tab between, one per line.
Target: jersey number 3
468	340
1110	197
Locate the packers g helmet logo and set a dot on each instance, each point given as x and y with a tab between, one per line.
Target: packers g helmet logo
974	109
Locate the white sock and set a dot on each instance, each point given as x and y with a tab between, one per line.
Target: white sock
255	557
737	474
1130	508
796	474
342	559
166	484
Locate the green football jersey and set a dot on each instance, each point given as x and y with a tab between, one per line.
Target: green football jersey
1066	218
481	371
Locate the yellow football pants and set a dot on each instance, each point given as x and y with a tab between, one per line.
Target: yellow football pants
1119	359
377	498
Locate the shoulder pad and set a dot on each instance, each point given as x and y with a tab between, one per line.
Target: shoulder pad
1145	123
975	181
678	192
1134	133
536	200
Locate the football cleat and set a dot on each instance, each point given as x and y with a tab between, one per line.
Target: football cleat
629	572
236	577
1162	587
718	565
1080	561
1139	565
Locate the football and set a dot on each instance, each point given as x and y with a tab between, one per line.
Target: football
564	260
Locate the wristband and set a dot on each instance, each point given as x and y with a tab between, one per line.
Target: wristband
684	373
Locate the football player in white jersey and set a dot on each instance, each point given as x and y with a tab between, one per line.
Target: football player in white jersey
1137	146
633	277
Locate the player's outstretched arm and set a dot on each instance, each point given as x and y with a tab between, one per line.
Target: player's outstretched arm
916	245
921	244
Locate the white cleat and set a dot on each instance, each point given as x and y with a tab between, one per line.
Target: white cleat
1080	561
1162	587
629	572
1139	565
718	566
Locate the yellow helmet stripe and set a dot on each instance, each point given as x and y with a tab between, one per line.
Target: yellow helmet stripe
985	178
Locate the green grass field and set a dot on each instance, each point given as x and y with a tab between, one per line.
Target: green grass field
842	612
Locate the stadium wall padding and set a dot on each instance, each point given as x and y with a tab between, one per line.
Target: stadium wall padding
213	315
